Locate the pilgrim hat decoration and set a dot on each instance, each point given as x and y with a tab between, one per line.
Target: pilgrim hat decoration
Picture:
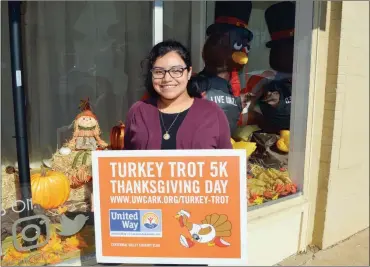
280	20
231	22
231	15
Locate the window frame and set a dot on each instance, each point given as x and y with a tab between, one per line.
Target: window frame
300	90
157	25
203	15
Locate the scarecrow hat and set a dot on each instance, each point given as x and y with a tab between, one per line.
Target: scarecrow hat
231	15
85	110
280	20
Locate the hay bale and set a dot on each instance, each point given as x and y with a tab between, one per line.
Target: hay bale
81	194
10	187
10	190
76	166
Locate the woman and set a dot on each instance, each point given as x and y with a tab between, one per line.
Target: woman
175	116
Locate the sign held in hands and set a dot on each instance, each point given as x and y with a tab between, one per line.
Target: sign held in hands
170	207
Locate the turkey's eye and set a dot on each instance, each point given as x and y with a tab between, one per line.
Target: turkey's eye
237	46
247	48
196	237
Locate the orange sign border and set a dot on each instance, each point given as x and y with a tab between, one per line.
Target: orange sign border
242	261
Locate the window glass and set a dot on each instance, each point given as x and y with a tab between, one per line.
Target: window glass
266	83
73	51
183	21
259	70
83	72
177	21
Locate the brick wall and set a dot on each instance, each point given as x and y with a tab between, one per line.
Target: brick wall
342	205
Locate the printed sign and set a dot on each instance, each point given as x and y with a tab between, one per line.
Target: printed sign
170	206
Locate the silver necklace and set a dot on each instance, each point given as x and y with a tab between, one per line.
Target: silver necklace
166	135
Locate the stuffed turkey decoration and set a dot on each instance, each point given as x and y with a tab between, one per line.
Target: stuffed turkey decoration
231	20
225	55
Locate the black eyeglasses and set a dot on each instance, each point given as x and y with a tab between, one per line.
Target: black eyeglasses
175	72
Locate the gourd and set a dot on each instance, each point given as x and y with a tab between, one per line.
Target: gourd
250	147
283	142
117	135
80	174
50	189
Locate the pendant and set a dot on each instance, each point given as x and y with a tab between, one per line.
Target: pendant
166	136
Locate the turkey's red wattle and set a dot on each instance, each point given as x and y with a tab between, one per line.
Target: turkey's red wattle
235	83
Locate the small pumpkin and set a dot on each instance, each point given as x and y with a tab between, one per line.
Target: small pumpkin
50	189
117	135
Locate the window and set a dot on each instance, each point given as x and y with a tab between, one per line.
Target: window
78	50
264	61
72	51
185	21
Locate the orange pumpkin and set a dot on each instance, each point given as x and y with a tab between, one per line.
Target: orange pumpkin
117	135
50	189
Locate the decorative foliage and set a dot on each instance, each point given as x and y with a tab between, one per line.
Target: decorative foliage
52	253
268	184
84	105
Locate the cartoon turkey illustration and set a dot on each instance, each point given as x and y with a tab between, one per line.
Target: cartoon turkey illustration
211	231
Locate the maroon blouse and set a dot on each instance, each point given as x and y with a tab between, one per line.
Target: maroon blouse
204	127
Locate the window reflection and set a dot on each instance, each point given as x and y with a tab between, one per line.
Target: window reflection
72	51
93	50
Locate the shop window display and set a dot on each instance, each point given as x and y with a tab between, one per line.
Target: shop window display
248	62
83	73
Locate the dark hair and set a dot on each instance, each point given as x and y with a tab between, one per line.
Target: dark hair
159	50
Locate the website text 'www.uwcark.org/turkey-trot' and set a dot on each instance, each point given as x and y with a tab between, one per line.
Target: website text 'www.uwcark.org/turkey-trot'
169	199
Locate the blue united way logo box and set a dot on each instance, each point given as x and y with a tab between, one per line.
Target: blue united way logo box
135	223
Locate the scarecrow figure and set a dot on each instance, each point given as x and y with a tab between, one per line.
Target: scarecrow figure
86	135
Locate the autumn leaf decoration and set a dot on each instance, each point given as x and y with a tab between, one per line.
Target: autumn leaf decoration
52	253
61	210
84	105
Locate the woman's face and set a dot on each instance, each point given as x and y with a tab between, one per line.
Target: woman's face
170	76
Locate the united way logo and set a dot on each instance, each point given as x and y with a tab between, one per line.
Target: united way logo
135	223
150	220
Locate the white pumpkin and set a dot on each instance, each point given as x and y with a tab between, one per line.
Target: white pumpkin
65	151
